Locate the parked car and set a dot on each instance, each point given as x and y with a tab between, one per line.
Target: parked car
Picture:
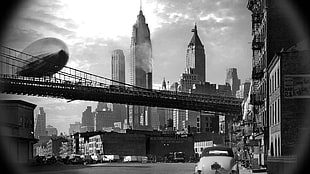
39	160
89	160
217	160
76	159
51	160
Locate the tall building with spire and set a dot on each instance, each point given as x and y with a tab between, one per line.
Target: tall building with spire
140	68
195	56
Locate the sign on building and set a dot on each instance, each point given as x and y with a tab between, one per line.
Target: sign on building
297	86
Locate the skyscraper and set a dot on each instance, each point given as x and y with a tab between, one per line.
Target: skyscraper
40	124
87	120
140	52
118	74
195	74
118	66
195	56
140	68
233	80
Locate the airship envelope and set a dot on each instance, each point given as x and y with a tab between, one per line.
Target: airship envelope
48	56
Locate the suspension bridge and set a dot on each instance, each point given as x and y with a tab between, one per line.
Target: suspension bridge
73	84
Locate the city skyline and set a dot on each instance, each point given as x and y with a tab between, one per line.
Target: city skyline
221	25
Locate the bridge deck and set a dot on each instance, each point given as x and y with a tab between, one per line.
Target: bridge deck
74	84
13	84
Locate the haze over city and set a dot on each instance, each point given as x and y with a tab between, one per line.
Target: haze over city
93	30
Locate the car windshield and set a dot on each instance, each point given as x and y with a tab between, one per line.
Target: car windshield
217	151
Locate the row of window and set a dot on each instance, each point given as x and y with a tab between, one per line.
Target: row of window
274	112
274	80
275	149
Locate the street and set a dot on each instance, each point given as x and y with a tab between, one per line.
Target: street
128	168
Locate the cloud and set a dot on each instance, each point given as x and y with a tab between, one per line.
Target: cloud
48	27
212	16
223	27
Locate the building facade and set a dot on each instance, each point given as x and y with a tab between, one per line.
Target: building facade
16	130
289	77
40	123
271	32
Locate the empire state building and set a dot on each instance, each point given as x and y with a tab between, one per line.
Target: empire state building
140	52
140	68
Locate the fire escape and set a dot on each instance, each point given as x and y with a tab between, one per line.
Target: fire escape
259	76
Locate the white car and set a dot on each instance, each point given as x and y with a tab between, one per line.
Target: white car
217	160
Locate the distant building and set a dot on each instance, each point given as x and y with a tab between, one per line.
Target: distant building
243	91
66	147
54	145
224	90
103	119
40	148
40	123
187	80
195	56
50	131
199	146
118	66
118	74
233	80
87	120
17	130
74	128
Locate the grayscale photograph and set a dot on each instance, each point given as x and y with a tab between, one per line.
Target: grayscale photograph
154	87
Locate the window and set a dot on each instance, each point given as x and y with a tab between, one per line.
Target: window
270	116
276	112
272	83
270	86
276	80
273	113
279	110
278	77
279	146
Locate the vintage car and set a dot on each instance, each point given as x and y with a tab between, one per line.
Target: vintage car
217	160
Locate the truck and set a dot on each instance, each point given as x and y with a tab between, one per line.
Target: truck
175	157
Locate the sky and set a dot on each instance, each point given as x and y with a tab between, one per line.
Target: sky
92	29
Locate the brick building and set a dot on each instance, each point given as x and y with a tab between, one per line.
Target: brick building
17	130
289	100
